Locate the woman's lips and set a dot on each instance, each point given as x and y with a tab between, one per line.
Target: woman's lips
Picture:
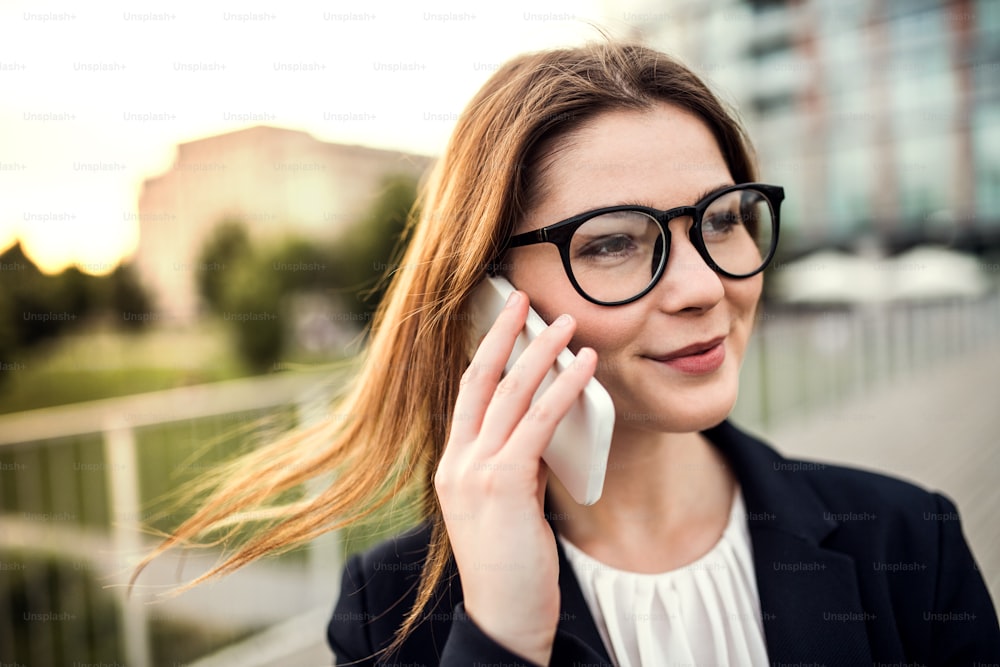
699	361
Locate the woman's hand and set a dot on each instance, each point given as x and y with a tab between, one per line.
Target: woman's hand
491	481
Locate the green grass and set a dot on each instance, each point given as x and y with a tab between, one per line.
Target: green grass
172	456
84	628
49	481
105	362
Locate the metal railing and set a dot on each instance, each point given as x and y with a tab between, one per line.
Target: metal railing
58	461
76	479
804	362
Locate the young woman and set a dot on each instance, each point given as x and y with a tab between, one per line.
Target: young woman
707	547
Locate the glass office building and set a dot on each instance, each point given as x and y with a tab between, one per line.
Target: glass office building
880	117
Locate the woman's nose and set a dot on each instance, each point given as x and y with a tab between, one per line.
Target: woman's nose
688	282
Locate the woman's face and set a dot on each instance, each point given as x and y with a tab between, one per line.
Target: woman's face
664	158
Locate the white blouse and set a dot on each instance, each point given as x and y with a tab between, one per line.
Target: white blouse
705	613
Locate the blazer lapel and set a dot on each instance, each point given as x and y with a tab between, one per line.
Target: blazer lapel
809	601
809	598
574	614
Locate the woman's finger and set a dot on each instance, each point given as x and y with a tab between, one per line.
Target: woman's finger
514	393
534	431
486	368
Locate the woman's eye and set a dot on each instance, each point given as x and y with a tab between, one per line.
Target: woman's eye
720	224
608	246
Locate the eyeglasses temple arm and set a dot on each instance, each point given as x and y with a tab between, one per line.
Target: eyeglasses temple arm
528	238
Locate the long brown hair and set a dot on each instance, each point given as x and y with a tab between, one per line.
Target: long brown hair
391	426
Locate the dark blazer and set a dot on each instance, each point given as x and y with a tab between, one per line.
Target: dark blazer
853	568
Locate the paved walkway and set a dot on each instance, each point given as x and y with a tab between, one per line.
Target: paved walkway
940	428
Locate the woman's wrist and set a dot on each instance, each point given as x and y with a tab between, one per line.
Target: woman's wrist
535	647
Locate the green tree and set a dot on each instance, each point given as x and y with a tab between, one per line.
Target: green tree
248	286
226	247
9	338
126	294
370	251
300	264
36	307
77	292
251	306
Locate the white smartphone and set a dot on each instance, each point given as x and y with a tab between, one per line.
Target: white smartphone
578	453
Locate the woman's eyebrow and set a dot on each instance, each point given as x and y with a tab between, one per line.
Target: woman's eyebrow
645	204
711	191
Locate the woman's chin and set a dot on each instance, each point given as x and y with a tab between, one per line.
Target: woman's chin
678	419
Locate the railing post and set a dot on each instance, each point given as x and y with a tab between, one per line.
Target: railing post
764	402
324	558
122	472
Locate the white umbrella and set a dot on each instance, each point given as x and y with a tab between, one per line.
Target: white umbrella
933	272
830	277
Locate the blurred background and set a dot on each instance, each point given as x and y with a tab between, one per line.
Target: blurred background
199	203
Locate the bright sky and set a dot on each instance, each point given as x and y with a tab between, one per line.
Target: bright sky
95	96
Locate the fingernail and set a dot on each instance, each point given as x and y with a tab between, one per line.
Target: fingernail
513	299
562	321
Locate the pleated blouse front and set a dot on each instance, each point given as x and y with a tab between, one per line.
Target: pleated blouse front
705	613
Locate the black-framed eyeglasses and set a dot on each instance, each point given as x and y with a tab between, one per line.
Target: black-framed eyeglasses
616	255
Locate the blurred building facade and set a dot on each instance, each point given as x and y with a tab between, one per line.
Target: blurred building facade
880	117
278	182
